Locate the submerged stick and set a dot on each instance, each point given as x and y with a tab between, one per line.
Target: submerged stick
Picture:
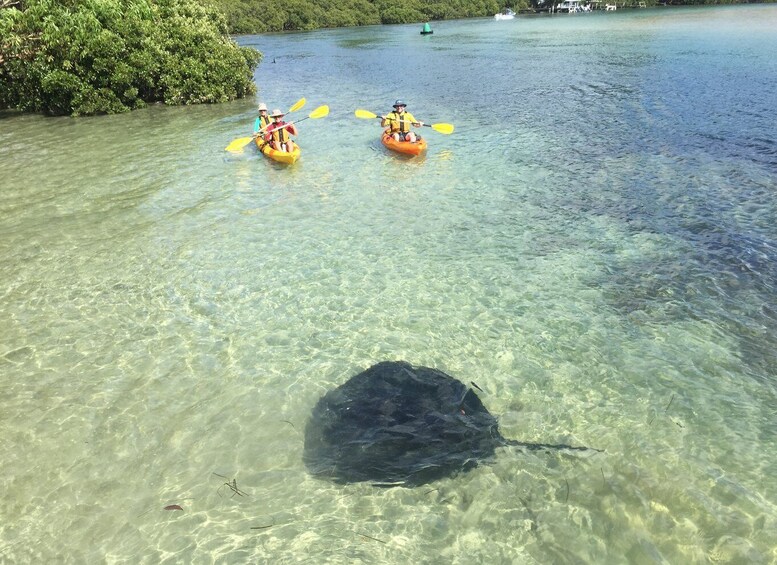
372	538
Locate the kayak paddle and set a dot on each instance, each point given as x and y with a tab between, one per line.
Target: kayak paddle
238	144
442	128
319	112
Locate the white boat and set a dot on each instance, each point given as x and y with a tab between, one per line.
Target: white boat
506	14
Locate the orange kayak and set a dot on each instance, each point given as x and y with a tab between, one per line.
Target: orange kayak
407	147
279	156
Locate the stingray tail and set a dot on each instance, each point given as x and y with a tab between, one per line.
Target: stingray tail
537	446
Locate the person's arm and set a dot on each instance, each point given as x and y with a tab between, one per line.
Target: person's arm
292	129
416	123
386	121
257	124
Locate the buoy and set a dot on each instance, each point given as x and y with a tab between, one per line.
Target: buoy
427	29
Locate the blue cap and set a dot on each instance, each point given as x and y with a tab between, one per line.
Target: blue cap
399	103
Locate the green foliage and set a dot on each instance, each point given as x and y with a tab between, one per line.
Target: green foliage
350	13
400	11
261	16
104	56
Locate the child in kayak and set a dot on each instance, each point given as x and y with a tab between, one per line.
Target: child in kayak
399	122
279	133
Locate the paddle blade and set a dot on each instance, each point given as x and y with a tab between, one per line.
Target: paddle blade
297	105
365	114
447	129
238	144
319	112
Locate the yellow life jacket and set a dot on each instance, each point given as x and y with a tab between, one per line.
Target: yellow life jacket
400	122
261	123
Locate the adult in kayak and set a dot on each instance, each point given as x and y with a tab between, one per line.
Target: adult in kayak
279	133
399	122
263	120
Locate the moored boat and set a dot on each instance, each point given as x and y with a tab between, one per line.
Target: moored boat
406	147
278	156
506	14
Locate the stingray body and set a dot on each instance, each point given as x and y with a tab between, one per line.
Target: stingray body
396	424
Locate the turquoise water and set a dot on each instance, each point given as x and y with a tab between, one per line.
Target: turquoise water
594	246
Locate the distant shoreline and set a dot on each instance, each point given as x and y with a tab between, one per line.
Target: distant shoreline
239	24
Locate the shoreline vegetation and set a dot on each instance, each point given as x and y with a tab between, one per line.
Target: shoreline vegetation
86	57
246	17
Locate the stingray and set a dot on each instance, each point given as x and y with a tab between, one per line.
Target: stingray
397	424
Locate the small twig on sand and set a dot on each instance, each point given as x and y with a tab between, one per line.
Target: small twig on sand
232	485
665	410
372	538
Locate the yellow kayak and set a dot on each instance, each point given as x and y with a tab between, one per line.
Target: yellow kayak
279	156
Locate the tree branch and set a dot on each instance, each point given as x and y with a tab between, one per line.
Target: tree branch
9	3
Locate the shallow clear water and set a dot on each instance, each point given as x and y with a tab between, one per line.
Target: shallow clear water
594	246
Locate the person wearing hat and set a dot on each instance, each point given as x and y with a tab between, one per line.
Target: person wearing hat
399	122
279	133
263	120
